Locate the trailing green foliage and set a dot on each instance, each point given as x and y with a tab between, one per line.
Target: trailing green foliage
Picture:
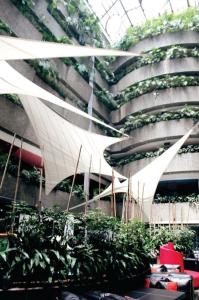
27	11
191	198
49	75
4	28
25	7
104	69
121	161
168	22
153	85
105	97
140	120
13	98
80	23
55	246
155	56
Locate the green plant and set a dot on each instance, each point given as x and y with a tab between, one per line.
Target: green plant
176	198
105	97
80	22
140	120
5	28
54	246
121	161
168	22
153	85
183	238
155	56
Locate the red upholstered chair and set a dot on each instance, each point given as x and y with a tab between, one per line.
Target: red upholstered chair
169	256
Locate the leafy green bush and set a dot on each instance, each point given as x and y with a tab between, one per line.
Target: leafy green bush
183	238
53	246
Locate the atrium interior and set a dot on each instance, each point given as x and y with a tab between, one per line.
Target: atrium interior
99	139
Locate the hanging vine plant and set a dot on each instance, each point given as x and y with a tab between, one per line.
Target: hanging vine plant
155	84
155	56
168	22
140	120
117	162
191	198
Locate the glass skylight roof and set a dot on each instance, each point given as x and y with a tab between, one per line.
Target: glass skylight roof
118	15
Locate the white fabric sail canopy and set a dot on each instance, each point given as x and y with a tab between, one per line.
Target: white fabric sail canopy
60	143
17	48
12	82
143	184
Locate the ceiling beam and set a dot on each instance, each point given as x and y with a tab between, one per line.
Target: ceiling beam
126	13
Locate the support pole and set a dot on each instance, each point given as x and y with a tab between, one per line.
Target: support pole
8	158
72	185
113	200
129	197
123	207
16	188
87	195
138	200
169	217
188	212
40	185
142	203
99	180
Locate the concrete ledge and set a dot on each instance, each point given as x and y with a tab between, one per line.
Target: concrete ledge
180	213
161	131
149	102
183	38
17	22
183	163
41	10
171	66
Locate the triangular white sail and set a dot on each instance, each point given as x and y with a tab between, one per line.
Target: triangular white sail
143	184
17	48
60	142
12	82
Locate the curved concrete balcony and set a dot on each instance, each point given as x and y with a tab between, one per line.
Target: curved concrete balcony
170	66
183	38
172	97
161	131
186	164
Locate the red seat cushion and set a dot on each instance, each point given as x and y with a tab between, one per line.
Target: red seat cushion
195	276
